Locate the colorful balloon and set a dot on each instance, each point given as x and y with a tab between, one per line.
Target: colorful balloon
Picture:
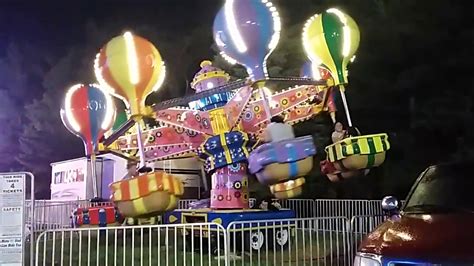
317	72
130	68
331	38
88	113
246	32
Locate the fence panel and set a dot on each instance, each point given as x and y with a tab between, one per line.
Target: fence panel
50	215
304	208
345	208
192	244
316	241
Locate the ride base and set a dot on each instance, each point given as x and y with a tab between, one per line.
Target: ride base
224	217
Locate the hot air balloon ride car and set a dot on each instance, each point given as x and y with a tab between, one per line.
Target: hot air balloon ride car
130	68
332	38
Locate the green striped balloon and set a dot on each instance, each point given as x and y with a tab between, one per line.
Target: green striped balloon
332	38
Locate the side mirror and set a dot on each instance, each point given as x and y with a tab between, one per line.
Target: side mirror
390	204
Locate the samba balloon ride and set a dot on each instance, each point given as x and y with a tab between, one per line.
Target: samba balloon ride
224	122
332	38
130	68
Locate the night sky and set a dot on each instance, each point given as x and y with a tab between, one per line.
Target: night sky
59	24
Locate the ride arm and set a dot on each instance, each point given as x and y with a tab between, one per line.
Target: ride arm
307	111
254	118
162	142
235	107
186	119
121	131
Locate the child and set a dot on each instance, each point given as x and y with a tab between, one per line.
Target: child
131	170
339	133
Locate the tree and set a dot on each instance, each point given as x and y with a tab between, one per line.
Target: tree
45	140
22	68
10	119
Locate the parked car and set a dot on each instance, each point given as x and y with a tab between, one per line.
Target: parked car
435	225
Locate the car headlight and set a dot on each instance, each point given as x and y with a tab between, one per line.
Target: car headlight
366	259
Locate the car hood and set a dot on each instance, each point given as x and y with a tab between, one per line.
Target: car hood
433	238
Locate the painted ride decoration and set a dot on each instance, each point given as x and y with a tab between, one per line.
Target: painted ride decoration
224	122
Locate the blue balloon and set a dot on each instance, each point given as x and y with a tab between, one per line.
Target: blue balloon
246	32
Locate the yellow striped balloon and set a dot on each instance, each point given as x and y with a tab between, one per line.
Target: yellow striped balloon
130	68
332	38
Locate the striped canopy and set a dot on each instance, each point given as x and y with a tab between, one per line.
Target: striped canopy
130	68
331	38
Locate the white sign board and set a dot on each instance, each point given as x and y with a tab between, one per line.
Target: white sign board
12	200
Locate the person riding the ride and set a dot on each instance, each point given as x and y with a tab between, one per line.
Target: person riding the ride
278	130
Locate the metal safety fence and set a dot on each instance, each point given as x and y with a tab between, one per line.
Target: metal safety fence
57	214
310	241
180	244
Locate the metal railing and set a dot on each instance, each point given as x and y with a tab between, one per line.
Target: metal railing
180	244
57	214
316	241
345	208
300	241
311	241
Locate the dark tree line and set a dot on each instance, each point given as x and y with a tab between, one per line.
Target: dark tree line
411	78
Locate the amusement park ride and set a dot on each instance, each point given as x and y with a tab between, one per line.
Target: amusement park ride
224	122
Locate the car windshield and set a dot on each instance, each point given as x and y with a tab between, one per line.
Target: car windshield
443	188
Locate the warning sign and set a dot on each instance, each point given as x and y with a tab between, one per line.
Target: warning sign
12	200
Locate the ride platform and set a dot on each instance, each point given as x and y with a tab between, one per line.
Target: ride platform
224	217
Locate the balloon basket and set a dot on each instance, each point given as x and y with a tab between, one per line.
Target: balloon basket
282	165
147	195
280	172
357	153
100	216
289	189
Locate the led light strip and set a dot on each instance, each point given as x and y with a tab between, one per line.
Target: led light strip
132	58
232	27
67	106
346	45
